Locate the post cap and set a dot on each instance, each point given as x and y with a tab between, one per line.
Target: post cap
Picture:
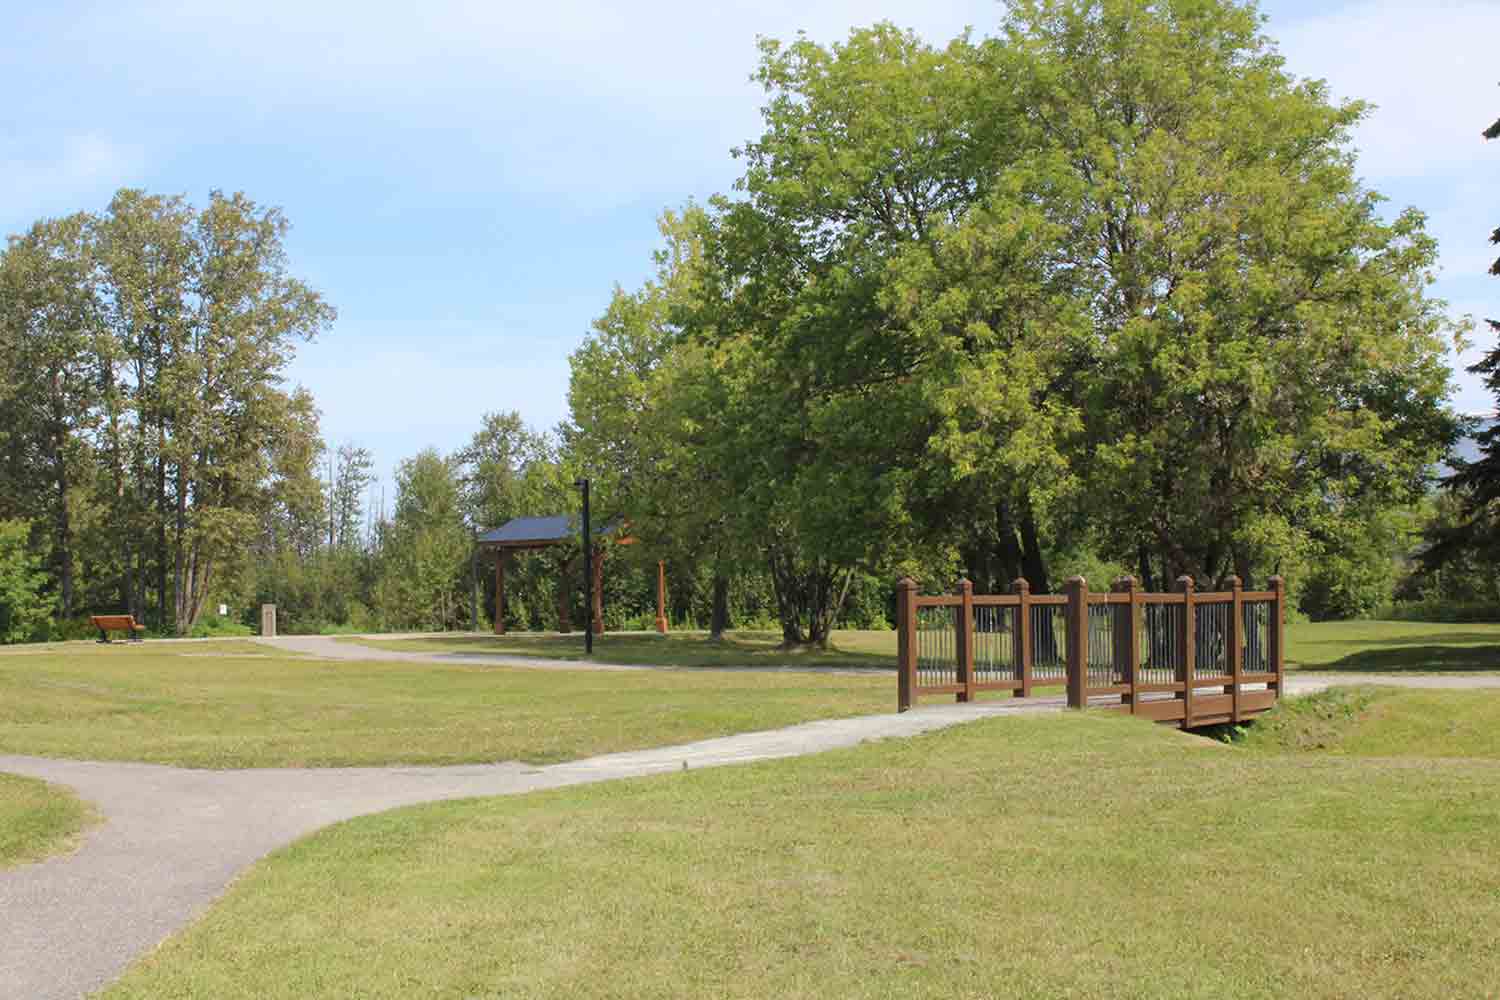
1020	585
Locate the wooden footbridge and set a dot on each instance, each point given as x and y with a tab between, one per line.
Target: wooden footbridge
1187	658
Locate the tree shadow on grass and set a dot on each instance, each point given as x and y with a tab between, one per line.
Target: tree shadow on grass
1413	657
1427	639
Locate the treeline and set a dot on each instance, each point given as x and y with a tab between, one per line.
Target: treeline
1102	293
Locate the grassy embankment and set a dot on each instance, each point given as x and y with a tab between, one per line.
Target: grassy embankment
37	820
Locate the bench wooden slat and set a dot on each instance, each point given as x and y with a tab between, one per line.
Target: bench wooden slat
116	623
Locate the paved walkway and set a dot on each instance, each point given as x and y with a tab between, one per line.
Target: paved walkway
172	838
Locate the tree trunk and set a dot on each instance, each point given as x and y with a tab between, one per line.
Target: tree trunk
1008	551
1033	563
180	569
806	596
719	617
64	524
1143	557
162	549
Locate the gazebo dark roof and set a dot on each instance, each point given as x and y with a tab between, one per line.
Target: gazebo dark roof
537	532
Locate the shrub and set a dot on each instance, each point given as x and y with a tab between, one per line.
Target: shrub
214	627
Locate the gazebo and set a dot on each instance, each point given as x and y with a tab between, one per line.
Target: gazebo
524	534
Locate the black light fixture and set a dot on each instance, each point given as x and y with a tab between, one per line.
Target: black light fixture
588	572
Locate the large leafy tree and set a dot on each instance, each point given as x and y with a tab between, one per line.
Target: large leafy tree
1264	368
50	333
1108	276
858	317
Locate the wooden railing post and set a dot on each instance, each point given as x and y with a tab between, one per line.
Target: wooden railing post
1278	634
1022	590
1127	626
1236	642
964	641
1189	648
1077	589
906	640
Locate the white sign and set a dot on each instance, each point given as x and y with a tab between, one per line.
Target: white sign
223	610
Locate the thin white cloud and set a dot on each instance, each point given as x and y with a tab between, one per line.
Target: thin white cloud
584	98
59	177
1429	67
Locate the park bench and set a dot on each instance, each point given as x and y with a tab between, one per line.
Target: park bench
117	623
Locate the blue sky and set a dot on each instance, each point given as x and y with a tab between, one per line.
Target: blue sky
468	180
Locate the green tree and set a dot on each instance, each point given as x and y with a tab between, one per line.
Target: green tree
425	555
350	477
25	607
1263	362
632	402
204	315
50	330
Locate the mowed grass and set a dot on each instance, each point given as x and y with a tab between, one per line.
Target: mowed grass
848	648
1373	646
1379	647
225	705
1066	855
37	820
1384	722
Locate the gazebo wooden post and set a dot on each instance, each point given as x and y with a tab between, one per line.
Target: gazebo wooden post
499	591
661	596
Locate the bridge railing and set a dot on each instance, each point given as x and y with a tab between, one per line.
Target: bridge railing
1189	657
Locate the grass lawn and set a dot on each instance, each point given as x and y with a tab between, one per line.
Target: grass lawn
234	704
849	648
1075	855
1384	722
37	820
1393	646
1360	645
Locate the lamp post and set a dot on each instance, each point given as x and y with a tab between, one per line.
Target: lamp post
588	572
